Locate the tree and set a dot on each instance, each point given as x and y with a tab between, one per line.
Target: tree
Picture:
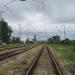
54	39
66	41
16	40
5	31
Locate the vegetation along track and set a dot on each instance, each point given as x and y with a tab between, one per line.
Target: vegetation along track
13	47
6	55
44	63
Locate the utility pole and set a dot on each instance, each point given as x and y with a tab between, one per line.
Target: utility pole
64	32
20	31
44	17
1	12
42	2
34	39
56	30
70	31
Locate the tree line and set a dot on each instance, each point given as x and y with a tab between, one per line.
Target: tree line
56	40
6	33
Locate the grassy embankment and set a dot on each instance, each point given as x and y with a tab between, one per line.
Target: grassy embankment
66	52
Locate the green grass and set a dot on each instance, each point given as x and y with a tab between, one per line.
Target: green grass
66	52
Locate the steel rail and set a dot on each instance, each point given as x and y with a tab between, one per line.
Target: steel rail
6	51
16	46
30	68
13	53
56	65
8	55
1	48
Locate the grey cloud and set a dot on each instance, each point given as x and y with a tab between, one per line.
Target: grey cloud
59	11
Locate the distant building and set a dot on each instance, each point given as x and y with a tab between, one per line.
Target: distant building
34	39
27	40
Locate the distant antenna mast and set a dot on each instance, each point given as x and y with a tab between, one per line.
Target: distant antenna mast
1	12
56	30
64	32
70	32
44	10
20	31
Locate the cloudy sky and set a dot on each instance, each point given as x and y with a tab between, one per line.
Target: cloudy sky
33	17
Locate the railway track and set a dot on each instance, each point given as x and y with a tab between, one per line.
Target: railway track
13	47
9	50
44	63
9	54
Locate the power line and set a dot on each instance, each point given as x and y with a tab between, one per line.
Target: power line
11	12
44	17
10	2
8	8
